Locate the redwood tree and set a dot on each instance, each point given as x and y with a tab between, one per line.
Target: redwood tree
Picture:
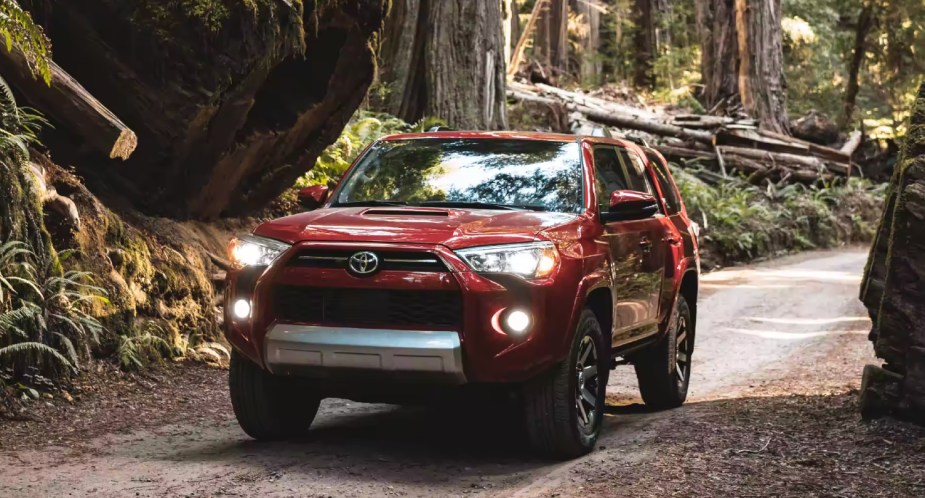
445	58
742	59
229	106
551	45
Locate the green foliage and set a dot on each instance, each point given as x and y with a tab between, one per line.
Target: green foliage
819	38
44	319
741	222
363	129
137	351
18	29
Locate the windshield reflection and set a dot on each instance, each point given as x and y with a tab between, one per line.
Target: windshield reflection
528	174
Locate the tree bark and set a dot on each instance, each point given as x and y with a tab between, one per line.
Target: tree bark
551	46
466	73
644	52
446	59
718	54
742	59
590	65
893	288
227	116
402	54
865	23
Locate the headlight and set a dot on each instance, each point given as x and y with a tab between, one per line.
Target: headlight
250	250
531	261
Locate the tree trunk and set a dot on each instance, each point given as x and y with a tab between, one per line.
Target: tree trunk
718	54
742	59
229	111
402	54
510	27
644	53
865	23
893	288
551	45
590	65
447	63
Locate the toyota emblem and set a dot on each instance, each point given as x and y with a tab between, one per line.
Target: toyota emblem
363	263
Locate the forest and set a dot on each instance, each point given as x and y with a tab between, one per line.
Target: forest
140	136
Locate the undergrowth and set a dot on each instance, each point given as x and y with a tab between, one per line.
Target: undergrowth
741	222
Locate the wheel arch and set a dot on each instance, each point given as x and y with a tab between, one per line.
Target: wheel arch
600	302
689	289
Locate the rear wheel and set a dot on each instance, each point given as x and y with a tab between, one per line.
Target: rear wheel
565	406
664	371
269	407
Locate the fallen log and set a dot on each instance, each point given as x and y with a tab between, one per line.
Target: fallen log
654	127
809	162
814	148
612	117
756	169
522	42
70	104
854	140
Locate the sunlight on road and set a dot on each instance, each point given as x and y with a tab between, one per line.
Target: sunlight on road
808	321
794	336
771	275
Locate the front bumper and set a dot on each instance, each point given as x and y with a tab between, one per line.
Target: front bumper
343	352
481	352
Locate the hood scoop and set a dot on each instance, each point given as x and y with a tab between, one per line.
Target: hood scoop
405	212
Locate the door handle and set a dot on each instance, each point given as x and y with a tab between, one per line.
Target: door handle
671	239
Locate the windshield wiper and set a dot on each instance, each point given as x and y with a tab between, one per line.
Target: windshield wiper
369	203
479	205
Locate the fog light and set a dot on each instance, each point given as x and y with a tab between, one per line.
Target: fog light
242	308
517	321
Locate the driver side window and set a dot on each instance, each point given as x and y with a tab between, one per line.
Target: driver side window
609	175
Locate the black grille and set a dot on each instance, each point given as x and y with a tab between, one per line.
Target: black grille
389	260
368	307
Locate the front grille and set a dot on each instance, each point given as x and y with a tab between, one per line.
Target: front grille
368	307
390	260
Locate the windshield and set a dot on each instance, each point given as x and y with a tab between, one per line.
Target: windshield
480	173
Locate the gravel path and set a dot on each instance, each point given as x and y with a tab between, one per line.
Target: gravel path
787	337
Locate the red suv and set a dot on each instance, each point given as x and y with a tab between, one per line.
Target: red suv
456	260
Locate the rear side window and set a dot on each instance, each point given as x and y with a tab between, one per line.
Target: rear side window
635	172
608	175
672	198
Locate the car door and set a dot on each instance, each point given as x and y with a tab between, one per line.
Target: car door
679	237
652	243
626	242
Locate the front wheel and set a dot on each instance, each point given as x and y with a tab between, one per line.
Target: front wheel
269	407
565	407
664	370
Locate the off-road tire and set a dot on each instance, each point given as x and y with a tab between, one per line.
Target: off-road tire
657	367
551	409
269	407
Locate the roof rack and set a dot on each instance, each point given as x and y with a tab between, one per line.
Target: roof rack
637	140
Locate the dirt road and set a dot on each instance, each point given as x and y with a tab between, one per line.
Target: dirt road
793	326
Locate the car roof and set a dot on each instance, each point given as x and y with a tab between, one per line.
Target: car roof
523	135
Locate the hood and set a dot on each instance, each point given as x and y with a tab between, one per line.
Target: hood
454	228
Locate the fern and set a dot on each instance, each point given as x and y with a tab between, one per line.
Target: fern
36	349
136	352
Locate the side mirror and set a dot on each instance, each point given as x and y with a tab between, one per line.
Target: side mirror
626	205
313	197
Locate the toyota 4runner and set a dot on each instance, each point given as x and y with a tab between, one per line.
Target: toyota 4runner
451	260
